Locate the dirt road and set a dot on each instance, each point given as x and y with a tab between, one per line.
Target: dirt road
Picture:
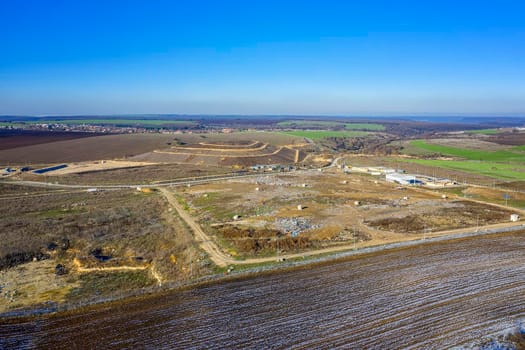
205	241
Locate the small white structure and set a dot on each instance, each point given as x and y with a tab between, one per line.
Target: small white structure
91	190
299	207
139	189
345	182
304	185
357	203
236	217
257	189
514	217
444	196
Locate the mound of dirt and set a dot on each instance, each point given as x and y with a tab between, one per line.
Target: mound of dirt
251	240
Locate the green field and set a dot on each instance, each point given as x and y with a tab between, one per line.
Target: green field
308	123
323	134
497	164
365	126
497	156
490	169
331	124
484	131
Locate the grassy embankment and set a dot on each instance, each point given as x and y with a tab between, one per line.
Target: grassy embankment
505	165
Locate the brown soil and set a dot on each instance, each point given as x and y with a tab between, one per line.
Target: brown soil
84	149
470	143
20	138
513	139
257	240
466	214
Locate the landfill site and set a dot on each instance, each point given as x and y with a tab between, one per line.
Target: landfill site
274	214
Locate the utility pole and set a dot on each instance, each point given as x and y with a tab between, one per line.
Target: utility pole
191	265
277	246
355	247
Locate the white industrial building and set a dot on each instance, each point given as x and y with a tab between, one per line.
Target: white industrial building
402	179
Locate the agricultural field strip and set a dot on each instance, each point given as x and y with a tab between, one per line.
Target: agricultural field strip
329	124
491	169
476	155
484	131
500	164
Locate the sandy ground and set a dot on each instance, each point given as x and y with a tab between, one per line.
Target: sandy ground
32	283
82	167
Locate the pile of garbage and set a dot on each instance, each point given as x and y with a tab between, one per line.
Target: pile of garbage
294	226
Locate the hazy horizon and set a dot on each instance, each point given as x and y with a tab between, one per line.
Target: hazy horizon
329	58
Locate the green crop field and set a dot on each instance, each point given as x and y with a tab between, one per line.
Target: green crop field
507	164
308	123
322	134
365	126
484	131
332	124
497	156
491	169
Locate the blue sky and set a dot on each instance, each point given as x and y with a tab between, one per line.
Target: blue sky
262	57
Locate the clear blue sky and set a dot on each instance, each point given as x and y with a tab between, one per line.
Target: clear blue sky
366	57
